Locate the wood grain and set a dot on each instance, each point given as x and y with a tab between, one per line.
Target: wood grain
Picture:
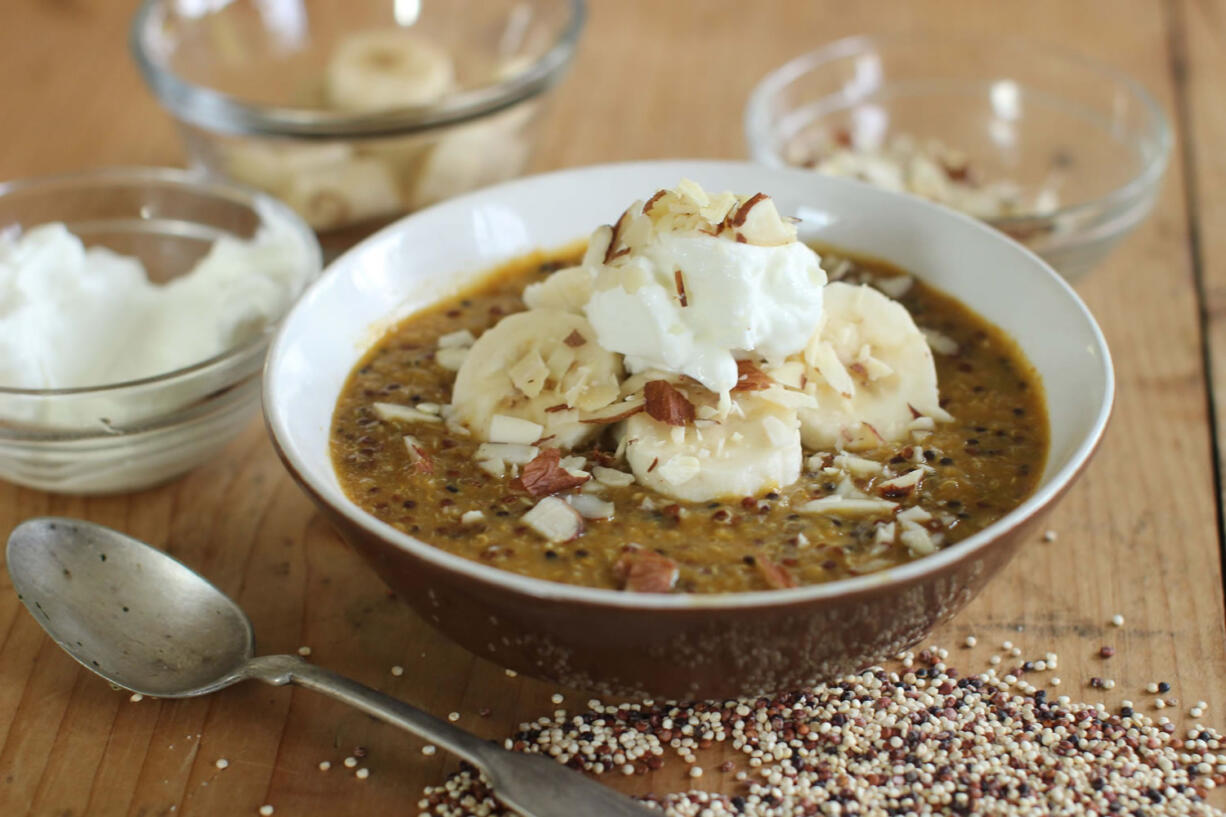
1138	536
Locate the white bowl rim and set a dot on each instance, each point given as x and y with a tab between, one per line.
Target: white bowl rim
550	591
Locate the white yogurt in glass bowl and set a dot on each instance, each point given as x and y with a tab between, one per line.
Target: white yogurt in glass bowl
135	311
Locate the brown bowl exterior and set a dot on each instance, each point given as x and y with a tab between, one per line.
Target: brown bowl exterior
703	653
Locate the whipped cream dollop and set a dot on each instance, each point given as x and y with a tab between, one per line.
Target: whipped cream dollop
688	282
72	316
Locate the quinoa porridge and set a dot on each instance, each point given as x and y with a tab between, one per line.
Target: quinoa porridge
561	449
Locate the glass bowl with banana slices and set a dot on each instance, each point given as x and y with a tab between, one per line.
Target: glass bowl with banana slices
357	112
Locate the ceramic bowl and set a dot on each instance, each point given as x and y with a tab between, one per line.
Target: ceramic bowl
679	645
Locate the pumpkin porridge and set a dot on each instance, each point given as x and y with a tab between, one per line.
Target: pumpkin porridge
694	403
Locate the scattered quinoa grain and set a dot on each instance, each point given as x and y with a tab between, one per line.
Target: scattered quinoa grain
1117	620
324	765
136	697
971	641
304	651
1050	536
429	749
511	673
1106	651
397	670
923	740
266	810
350	762
221	763
362	773
453	716
557	697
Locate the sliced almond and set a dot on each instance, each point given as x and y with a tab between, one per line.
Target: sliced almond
507	429
838	504
507	452
612	477
451	358
555	520
899	487
451	340
417	455
679	469
591	507
545	475
614	412
392	412
472	517
529	374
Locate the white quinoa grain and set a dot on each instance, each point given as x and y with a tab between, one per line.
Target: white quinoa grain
1050	536
136	697
1117	620
557	697
266	810
825	751
350	762
511	673
971	641
304	651
397	670
362	773
453	716
429	749
324	765
221	763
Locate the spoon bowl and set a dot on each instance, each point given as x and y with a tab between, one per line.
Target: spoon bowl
136	616
147	622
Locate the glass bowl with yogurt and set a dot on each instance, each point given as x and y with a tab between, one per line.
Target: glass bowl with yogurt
357	112
1058	151
136	307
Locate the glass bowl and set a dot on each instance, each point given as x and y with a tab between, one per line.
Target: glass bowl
357	111
130	435
1072	149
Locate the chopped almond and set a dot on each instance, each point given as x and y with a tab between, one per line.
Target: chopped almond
776	576
422	462
545	474
677	276
644	571
666	404
742	212
574	339
750	378
613	413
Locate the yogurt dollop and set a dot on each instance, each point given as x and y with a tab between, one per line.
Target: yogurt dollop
689	282
73	317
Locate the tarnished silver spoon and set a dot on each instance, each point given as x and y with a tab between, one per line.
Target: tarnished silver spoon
150	624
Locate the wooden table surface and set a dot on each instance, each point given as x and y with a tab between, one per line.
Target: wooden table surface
1139	535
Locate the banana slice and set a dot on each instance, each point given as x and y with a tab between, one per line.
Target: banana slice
870	369
476	155
273	166
542	366
387	68
343	193
567	289
755	448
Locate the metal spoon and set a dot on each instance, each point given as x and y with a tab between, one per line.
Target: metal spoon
146	622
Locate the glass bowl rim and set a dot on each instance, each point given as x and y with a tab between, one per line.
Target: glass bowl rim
1157	127
260	204
216	111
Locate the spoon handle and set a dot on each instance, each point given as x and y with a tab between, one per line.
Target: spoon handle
531	785
279	670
